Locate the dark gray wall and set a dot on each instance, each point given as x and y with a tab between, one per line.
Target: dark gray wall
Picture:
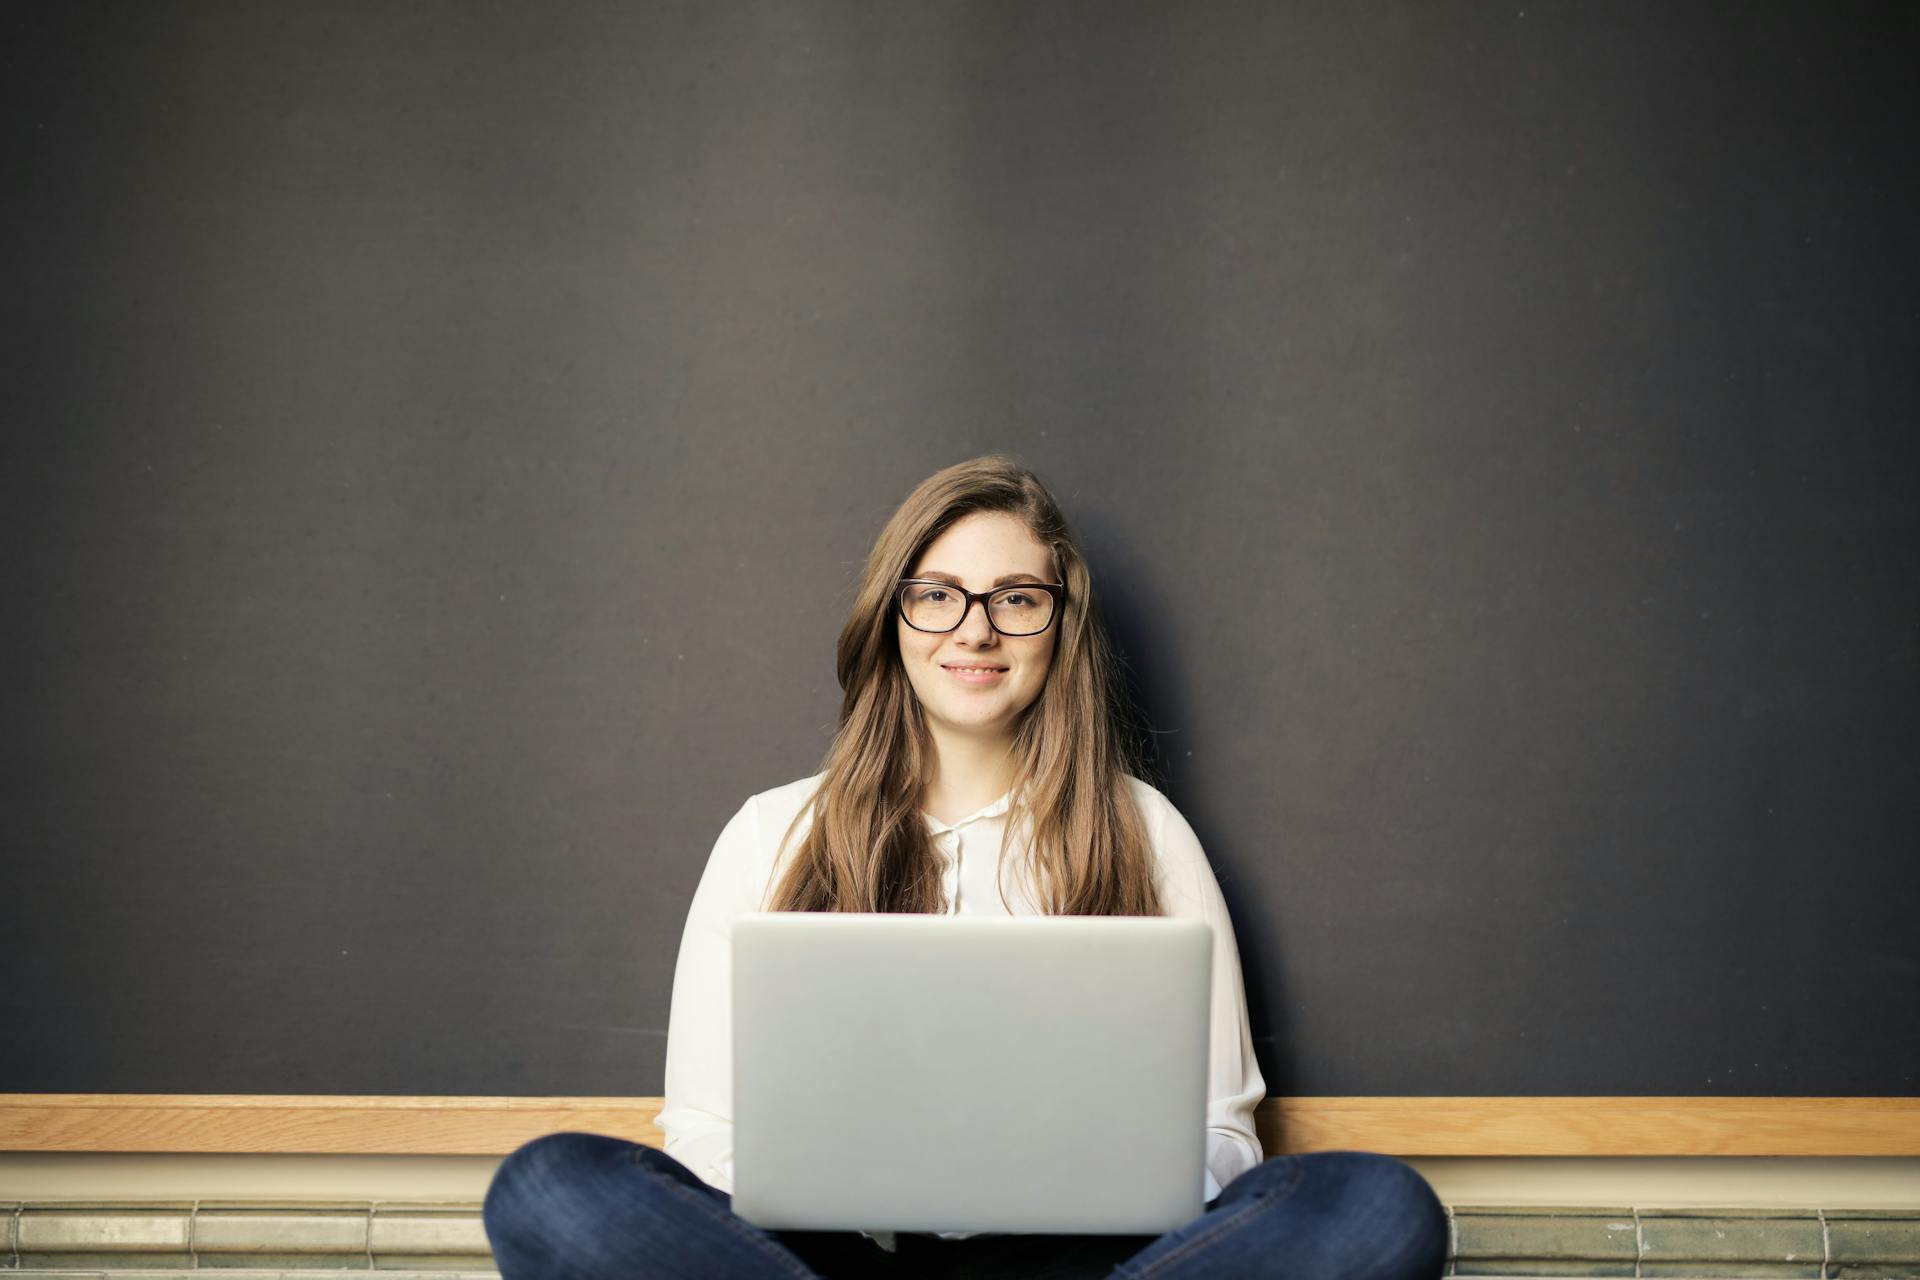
441	440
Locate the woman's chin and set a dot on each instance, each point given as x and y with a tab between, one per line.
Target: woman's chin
975	722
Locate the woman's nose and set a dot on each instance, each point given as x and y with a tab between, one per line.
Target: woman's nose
978	629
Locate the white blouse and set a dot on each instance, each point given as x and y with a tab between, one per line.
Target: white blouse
697	1116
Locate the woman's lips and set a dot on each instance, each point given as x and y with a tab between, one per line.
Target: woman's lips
974	675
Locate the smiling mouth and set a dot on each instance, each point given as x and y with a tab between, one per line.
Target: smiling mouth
972	671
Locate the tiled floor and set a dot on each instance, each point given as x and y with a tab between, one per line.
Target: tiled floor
310	1239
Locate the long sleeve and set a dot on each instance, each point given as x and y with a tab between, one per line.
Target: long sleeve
697	1115
1234	1083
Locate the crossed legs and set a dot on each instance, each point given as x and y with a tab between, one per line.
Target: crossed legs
582	1206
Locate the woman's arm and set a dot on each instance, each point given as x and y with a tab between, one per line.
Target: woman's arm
697	1115
1234	1084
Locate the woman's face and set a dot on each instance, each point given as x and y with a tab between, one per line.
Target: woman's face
979	552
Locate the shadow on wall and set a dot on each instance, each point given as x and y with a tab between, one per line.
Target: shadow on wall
1150	666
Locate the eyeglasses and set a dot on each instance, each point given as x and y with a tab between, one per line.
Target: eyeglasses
1023	609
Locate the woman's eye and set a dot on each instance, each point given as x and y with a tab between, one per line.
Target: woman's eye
1018	599
934	595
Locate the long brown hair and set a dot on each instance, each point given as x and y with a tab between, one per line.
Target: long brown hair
868	848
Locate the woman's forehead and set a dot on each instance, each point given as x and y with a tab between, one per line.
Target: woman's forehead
983	547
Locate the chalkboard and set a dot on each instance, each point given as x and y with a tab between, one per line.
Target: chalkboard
442	440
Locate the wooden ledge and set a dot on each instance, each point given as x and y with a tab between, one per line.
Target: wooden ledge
1599	1126
1455	1126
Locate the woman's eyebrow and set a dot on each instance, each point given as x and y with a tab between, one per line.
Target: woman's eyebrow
998	582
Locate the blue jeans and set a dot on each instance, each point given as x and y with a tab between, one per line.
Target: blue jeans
583	1206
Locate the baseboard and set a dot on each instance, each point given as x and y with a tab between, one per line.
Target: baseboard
441	1240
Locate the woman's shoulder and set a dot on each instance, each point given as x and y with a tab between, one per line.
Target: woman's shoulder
1144	791
775	807
1152	801
1172	835
794	794
1185	875
751	842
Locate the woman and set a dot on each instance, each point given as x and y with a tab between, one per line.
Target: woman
981	766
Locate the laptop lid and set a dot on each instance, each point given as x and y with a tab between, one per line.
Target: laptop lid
954	1073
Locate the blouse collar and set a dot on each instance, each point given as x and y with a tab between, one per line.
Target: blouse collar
993	810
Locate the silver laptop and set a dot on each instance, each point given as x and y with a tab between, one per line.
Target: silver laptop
957	1073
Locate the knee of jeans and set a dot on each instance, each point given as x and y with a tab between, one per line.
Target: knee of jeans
1393	1187
546	1159
1274	1172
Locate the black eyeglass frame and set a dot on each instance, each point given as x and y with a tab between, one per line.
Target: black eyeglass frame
1057	591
